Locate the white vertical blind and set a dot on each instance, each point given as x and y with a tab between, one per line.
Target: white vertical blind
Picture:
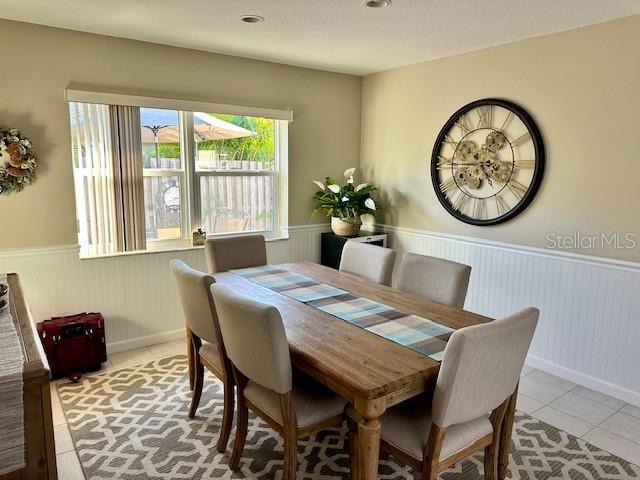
93	175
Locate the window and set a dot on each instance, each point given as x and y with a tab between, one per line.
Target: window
182	170
236	176
163	172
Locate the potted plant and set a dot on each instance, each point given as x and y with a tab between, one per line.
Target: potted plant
344	203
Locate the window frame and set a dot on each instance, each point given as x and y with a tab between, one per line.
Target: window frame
191	216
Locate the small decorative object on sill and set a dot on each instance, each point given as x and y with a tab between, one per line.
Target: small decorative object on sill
344	203
18	161
199	236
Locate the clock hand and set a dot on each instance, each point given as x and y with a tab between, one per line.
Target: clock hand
486	175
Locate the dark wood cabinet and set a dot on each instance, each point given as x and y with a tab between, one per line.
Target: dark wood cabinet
331	245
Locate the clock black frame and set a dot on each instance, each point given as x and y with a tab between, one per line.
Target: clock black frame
539	168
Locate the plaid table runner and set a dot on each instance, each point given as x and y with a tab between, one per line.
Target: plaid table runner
417	333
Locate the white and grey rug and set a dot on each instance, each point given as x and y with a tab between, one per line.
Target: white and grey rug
132	424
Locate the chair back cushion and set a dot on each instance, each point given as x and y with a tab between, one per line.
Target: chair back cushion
255	339
245	251
436	279
481	367
369	261
197	304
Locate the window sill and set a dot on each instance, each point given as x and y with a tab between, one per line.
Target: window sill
186	247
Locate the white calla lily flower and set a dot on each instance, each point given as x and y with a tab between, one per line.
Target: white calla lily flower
370	204
361	186
349	172
334	188
319	184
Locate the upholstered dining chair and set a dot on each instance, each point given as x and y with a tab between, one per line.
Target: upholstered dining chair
244	251
204	342
479	373
436	279
294	406
369	261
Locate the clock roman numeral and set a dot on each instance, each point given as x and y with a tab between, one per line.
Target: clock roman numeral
448	140
463	124
461	201
507	121
517	188
444	163
479	208
448	185
501	205
526	163
524	138
485	116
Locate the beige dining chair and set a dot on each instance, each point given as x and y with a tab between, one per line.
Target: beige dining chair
436	279
369	261
479	373
257	345
204	342
228	253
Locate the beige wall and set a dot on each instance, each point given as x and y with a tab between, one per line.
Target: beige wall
39	63
583	89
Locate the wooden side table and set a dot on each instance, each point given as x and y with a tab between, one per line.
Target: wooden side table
331	245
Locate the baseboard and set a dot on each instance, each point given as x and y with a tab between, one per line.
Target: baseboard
139	342
584	380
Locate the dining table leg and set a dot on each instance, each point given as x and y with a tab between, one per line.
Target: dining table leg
367	439
505	436
368	447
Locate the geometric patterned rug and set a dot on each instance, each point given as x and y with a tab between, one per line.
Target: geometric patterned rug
132	424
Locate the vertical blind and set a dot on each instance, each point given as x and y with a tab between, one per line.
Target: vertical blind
93	176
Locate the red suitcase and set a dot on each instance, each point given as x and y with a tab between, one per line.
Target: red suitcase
73	344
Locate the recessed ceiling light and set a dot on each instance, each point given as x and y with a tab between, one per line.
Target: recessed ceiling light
252	18
377	3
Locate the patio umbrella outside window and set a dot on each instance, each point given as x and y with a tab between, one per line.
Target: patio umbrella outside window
160	126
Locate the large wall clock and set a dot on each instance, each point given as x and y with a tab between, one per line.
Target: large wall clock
487	162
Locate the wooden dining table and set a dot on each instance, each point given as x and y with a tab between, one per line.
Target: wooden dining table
371	372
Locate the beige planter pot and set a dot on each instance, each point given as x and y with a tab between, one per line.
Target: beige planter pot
346	227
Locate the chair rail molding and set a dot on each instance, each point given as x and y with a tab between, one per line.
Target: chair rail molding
134	292
589	329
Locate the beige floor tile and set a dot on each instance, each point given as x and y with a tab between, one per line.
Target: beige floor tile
56	407
561	420
168	349
527	405
598	397
614	444
526	371
62	437
543	387
624	425
69	466
631	410
583	408
131	357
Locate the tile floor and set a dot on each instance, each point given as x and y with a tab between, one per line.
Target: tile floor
604	421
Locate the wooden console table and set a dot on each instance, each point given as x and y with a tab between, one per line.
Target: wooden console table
38	422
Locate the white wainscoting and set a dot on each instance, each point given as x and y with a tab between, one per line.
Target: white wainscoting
589	330
135	293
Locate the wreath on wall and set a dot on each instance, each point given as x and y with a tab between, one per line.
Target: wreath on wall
18	161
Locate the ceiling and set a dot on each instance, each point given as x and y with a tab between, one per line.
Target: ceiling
337	35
